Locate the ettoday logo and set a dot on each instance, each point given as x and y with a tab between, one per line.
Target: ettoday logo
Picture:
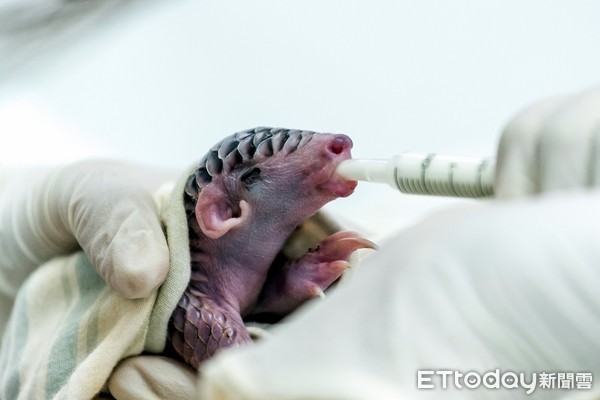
496	379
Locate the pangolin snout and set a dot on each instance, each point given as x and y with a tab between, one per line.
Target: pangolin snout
337	148
339	144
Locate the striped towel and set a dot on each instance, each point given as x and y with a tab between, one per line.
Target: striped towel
68	329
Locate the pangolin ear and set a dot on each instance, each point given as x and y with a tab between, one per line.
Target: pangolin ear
215	215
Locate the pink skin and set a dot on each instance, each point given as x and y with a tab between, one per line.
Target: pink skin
242	227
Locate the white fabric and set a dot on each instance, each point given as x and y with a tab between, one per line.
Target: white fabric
67	332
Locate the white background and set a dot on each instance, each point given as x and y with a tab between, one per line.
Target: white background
161	81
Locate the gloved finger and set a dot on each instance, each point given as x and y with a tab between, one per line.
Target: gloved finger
517	168
569	144
152	377
116	223
98	204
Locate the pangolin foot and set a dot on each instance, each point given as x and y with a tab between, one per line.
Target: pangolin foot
299	280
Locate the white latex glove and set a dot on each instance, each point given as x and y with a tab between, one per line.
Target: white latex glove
553	145
508	284
103	206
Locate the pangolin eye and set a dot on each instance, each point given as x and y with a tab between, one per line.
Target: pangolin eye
251	176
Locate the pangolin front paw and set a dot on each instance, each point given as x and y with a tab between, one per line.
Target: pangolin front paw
299	280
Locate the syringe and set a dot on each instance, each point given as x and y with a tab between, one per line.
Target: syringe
428	174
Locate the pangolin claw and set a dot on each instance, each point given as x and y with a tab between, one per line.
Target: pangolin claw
310	275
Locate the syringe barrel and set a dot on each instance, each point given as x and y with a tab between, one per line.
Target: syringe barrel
432	174
427	174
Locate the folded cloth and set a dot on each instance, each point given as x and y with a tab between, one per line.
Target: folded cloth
68	329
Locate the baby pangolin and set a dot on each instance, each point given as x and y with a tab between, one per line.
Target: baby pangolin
246	197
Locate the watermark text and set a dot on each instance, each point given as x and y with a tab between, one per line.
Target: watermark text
497	379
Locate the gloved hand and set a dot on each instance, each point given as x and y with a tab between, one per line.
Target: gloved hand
553	145
103	206
506	284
